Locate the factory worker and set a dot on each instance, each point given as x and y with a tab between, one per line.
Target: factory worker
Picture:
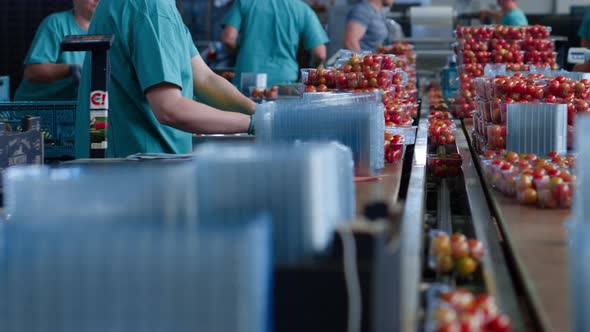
366	25
50	74
584	31
155	72
510	14
266	35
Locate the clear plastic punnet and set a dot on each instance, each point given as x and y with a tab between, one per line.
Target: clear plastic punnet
355	120
96	274
307	188
574	76
493	69
153	191
536	128
248	80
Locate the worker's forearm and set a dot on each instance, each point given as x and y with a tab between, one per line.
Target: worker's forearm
46	72
231	47
583	67
193	117
318	56
219	93
353	45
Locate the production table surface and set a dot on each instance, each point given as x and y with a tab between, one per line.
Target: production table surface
537	240
384	188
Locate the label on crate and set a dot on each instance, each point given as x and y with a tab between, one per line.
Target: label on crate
99	100
98	129
99	146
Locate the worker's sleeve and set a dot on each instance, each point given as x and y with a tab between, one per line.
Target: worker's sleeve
360	14
313	33
46	44
189	38
154	47
234	17
584	31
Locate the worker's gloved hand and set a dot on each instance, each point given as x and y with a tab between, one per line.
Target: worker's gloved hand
76	72
251	127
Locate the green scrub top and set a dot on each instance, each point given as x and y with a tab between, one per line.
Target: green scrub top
584	31
515	17
270	31
152	45
45	49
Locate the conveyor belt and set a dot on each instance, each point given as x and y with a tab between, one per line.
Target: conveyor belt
384	188
411	233
535	240
497	276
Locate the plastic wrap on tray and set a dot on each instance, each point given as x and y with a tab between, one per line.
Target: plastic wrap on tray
93	274
146	190
355	120
307	188
536	128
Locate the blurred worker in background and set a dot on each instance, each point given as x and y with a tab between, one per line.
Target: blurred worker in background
155	70
50	74
509	14
584	34
584	31
266	35
366	25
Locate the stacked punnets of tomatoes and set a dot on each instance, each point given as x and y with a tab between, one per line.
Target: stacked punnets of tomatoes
406	60
443	157
494	94
370	72
548	182
519	48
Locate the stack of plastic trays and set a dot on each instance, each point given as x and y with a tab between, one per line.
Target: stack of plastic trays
135	275
308	189
537	128
355	120
578	231
581	207
107	266
148	190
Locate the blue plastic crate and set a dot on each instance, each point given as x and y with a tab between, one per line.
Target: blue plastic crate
58	122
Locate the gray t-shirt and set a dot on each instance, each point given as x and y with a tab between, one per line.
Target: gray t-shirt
377	33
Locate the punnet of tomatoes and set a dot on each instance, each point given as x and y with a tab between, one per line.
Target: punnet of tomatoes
444	165
547	182
394	147
461	310
454	254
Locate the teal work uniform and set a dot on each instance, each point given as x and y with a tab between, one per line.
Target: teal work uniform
514	17
152	45
584	31
270	31
45	49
